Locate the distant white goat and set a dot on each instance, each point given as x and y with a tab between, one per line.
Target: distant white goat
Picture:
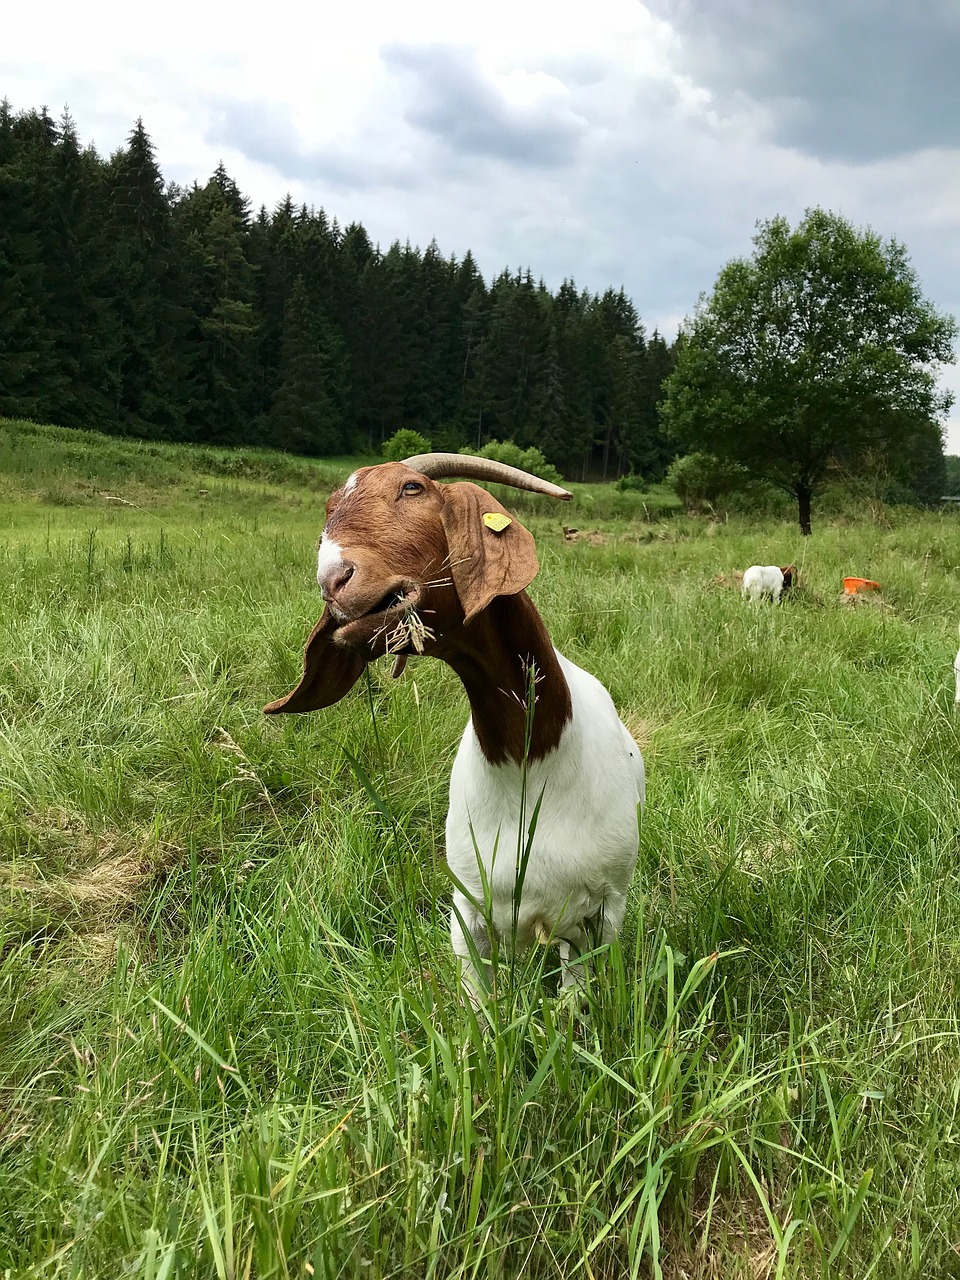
407	567
767	580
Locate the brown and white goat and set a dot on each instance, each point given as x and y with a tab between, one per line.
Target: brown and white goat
409	566
768	580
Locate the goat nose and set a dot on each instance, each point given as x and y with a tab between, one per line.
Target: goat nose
335	579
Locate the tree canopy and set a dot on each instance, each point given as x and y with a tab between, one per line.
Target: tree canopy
818	351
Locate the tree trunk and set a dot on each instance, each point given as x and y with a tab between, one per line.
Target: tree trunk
804	494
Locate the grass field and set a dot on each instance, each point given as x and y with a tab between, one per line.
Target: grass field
231	1042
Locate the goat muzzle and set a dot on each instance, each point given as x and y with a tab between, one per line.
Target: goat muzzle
379	628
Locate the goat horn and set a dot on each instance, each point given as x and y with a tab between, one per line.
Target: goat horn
440	465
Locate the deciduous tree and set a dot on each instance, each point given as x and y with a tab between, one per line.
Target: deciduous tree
818	349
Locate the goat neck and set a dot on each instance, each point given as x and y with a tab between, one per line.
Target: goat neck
493	657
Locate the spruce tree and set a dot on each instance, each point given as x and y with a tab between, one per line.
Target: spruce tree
392	342
549	417
467	414
306	415
79	285
219	289
574	325
149	359
657	450
28	375
512	357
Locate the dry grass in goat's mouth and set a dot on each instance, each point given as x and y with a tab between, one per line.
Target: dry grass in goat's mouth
409	630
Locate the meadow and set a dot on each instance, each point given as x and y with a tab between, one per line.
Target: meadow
231	1039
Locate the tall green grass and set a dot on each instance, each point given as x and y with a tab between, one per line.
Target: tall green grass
231	1039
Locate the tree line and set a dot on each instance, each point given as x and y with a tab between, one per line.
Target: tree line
135	306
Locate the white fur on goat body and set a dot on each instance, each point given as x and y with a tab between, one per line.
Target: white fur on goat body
584	846
956	672
763	580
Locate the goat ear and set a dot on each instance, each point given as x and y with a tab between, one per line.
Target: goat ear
486	560
329	672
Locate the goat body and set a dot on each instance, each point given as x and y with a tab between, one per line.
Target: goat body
581	856
395	541
767	580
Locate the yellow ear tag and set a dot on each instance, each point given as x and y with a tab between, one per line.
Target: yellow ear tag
495	521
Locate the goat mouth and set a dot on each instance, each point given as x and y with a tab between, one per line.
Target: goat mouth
381	618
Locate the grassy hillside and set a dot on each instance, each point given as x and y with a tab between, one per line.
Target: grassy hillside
231	1037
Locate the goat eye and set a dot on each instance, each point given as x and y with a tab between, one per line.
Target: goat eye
412	487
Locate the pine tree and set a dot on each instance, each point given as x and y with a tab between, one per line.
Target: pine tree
150	362
307	412
19	272
392	342
78	282
28	378
616	377
431	391
469	397
549	417
354	252
219	283
658	450
512	356
574	325
236	202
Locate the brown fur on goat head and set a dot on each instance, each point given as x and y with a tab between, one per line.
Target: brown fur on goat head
396	541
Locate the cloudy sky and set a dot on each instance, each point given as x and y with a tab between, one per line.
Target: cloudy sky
613	141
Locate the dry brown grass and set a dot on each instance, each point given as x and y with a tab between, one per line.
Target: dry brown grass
592	536
87	910
741	1246
734	580
642	729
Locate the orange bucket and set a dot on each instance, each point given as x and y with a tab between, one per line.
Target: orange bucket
853	586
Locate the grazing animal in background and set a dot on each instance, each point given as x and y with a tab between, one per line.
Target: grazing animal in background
768	580
408	566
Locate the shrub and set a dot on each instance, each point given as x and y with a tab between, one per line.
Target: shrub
404	444
699	480
512	455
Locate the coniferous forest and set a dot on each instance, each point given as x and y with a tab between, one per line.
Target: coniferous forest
135	306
